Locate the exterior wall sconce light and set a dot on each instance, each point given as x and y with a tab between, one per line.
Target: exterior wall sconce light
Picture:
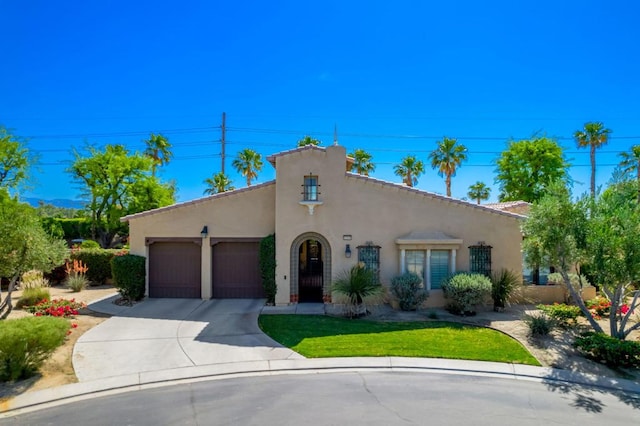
204	232
347	251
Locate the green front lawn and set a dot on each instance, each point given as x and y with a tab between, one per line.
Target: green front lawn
318	336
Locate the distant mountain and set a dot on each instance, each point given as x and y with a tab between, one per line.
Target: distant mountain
58	202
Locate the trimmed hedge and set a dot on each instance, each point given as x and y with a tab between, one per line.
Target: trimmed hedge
268	267
98	261
609	350
465	291
129	275
75	228
26	343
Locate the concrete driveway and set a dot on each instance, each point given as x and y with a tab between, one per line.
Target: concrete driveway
164	334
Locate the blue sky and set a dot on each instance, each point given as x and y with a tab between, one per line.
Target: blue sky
393	76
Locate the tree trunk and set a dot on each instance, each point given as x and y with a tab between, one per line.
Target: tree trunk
576	297
593	170
448	182
6	305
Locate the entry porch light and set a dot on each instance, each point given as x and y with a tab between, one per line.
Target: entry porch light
347	251
204	232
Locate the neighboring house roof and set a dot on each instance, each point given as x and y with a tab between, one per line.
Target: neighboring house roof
198	201
519	207
434	195
272	158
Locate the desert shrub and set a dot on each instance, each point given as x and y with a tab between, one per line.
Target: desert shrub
268	267
609	350
598	306
503	284
31	296
408	289
98	261
77	283
33	279
56	308
565	315
26	343
539	324
129	274
465	291
359	286
89	244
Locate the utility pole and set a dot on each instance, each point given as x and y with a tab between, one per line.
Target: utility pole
222	139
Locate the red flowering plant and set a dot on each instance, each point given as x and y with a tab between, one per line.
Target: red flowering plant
57	308
599	306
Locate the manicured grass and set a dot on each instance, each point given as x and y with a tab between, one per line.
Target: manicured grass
317	336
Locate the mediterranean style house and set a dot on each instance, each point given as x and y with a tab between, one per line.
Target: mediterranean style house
326	220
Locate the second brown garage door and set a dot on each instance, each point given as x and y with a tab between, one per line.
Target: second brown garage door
174	269
236	270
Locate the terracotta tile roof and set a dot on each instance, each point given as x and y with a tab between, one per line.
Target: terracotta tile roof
198	201
508	204
433	195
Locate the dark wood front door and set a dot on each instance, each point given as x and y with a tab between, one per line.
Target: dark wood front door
310	281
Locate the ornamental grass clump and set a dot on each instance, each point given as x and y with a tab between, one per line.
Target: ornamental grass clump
360	288
76	278
503	284
539	324
31	296
465	291
409	291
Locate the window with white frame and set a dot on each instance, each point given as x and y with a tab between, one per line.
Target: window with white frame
415	262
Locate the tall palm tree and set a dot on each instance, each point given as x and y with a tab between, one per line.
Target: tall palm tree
593	135
159	150
631	162
248	163
308	140
218	183
362	164
409	169
447	157
479	191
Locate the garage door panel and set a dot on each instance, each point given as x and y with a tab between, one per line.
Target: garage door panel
174	270
236	270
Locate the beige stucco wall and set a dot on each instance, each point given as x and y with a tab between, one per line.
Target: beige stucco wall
244	213
370	210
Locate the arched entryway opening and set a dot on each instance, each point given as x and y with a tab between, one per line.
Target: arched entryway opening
310	269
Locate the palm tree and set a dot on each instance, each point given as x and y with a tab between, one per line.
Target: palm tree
409	170
248	163
308	140
593	135
479	191
362	164
631	162
218	183
447	157
159	150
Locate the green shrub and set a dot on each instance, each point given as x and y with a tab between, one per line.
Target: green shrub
89	244
359	286
129	274
98	261
609	350
77	283
565	315
503	284
409	291
31	296
539	324
465	291
75	227
268	267
26	343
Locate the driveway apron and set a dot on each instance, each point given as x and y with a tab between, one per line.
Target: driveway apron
164	334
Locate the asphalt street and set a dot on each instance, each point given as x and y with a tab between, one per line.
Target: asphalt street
371	398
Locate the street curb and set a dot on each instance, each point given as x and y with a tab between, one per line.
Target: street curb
32	401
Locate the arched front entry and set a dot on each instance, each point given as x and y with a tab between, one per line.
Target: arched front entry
310	269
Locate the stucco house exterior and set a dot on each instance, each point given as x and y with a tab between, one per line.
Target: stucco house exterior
326	220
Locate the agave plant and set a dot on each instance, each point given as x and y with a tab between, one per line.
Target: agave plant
358	285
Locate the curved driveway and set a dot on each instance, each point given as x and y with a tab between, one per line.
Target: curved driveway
164	334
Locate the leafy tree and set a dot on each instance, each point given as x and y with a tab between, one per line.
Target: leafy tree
117	183
447	157
601	233
14	160
409	169
159	150
479	191
593	135
528	166
24	245
218	183
248	163
631	163
308	140
362	163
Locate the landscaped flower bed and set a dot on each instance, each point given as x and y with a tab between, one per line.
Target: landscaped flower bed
57	308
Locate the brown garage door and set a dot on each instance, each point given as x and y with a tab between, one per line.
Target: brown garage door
174	269
236	271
